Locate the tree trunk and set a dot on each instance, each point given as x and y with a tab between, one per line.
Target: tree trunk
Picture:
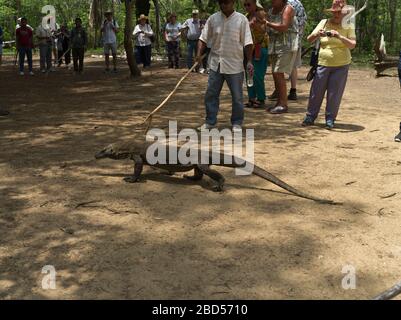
157	28
393	11
129	49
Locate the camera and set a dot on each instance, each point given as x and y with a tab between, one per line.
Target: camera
329	34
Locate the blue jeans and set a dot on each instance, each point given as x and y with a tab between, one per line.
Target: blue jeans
191	46
212	97
22	52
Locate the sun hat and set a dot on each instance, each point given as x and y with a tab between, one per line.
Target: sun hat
142	17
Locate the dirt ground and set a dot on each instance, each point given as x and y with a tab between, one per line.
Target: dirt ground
168	238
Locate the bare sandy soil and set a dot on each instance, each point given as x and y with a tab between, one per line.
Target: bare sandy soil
170	238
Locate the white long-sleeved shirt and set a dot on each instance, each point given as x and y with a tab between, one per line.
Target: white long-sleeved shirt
143	39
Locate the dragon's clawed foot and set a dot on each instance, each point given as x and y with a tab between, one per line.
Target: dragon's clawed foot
131	179
218	188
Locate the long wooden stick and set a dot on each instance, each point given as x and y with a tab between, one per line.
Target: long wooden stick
390	293
58	59
149	117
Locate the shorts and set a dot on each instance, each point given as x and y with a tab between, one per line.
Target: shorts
110	47
283	62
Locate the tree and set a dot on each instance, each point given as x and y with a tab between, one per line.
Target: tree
129	49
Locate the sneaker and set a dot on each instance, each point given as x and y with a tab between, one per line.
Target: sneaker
274	95
31	73
21	73
308	121
205	126
293	95
329	124
202	71
237	128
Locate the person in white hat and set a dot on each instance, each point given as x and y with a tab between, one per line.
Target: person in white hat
192	28
109	30
143	34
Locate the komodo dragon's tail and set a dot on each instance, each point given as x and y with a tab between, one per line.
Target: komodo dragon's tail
273	179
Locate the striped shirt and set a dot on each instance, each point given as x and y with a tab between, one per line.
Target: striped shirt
227	37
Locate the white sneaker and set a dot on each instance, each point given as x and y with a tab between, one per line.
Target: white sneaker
205	126
202	71
21	73
237	128
31	73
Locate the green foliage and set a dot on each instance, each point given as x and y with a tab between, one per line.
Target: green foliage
382	16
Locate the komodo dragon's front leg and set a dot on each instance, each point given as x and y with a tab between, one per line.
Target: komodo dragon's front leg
137	171
213	174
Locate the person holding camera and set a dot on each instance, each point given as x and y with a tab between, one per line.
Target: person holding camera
143	35
109	30
334	61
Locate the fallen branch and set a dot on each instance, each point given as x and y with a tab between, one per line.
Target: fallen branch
389	196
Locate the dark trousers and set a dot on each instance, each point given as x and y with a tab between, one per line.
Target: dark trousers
22	52
144	55
78	58
173	52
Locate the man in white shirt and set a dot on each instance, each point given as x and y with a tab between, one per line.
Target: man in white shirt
44	37
228	33
193	31
109	30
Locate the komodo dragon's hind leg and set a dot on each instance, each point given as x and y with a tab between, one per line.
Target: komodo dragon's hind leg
137	171
213	174
198	175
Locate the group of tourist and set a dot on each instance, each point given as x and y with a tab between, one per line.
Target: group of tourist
235	46
274	35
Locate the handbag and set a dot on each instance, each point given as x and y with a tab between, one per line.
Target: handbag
314	60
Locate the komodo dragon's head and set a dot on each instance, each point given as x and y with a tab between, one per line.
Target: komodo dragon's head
118	151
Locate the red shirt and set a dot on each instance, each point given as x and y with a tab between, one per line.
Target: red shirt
24	37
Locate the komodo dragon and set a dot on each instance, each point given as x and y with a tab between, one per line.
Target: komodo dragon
136	151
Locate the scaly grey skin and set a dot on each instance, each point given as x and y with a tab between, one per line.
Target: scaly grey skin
136	151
